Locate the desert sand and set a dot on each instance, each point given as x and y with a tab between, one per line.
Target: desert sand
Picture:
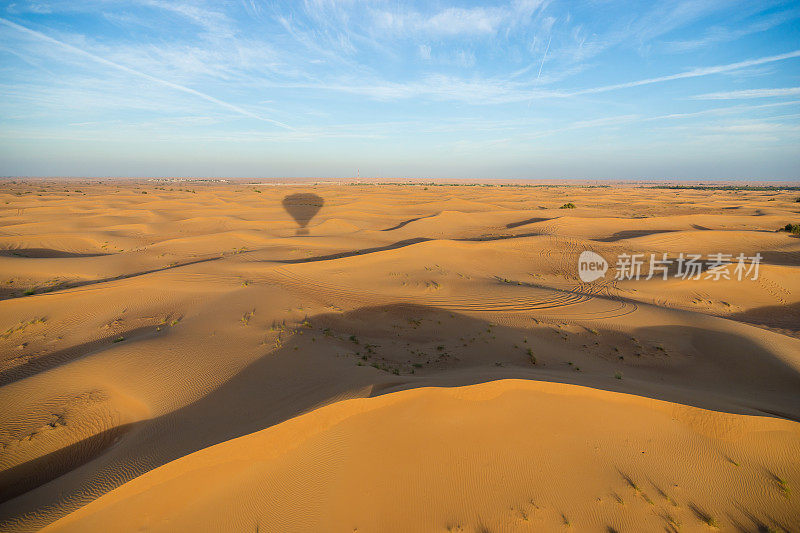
201	356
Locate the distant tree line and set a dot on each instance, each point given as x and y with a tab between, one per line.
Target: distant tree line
727	187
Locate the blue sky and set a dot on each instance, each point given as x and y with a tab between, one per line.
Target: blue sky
695	89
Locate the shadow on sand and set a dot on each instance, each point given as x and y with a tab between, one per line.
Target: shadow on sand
303	207
378	350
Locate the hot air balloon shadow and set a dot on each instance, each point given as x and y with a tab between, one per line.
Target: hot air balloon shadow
303	207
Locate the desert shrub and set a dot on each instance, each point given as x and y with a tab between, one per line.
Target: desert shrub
792	228
568	205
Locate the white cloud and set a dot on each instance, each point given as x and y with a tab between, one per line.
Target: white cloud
93	57
719	34
481	91
749	93
213	21
456	21
701	71
753	127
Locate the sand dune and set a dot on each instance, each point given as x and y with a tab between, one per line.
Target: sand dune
421	359
471	458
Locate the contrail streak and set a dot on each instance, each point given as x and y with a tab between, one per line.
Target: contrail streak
541	65
129	70
702	71
544	57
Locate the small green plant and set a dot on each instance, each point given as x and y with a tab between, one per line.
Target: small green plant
794	229
531	356
618	375
118	339
29	292
785	490
568	205
22	326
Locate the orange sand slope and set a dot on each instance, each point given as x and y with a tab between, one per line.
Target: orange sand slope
193	356
506	455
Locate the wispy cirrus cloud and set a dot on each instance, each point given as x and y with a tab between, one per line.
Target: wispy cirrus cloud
723	34
694	73
749	93
486	91
103	61
405	73
455	21
212	20
448	22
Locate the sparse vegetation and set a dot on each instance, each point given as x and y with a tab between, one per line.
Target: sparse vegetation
785	490
568	205
22	326
672	521
247	317
794	229
618	375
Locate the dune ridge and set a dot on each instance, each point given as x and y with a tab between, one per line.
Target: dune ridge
191	339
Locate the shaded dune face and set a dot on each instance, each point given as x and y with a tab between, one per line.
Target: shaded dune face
181	360
382	350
